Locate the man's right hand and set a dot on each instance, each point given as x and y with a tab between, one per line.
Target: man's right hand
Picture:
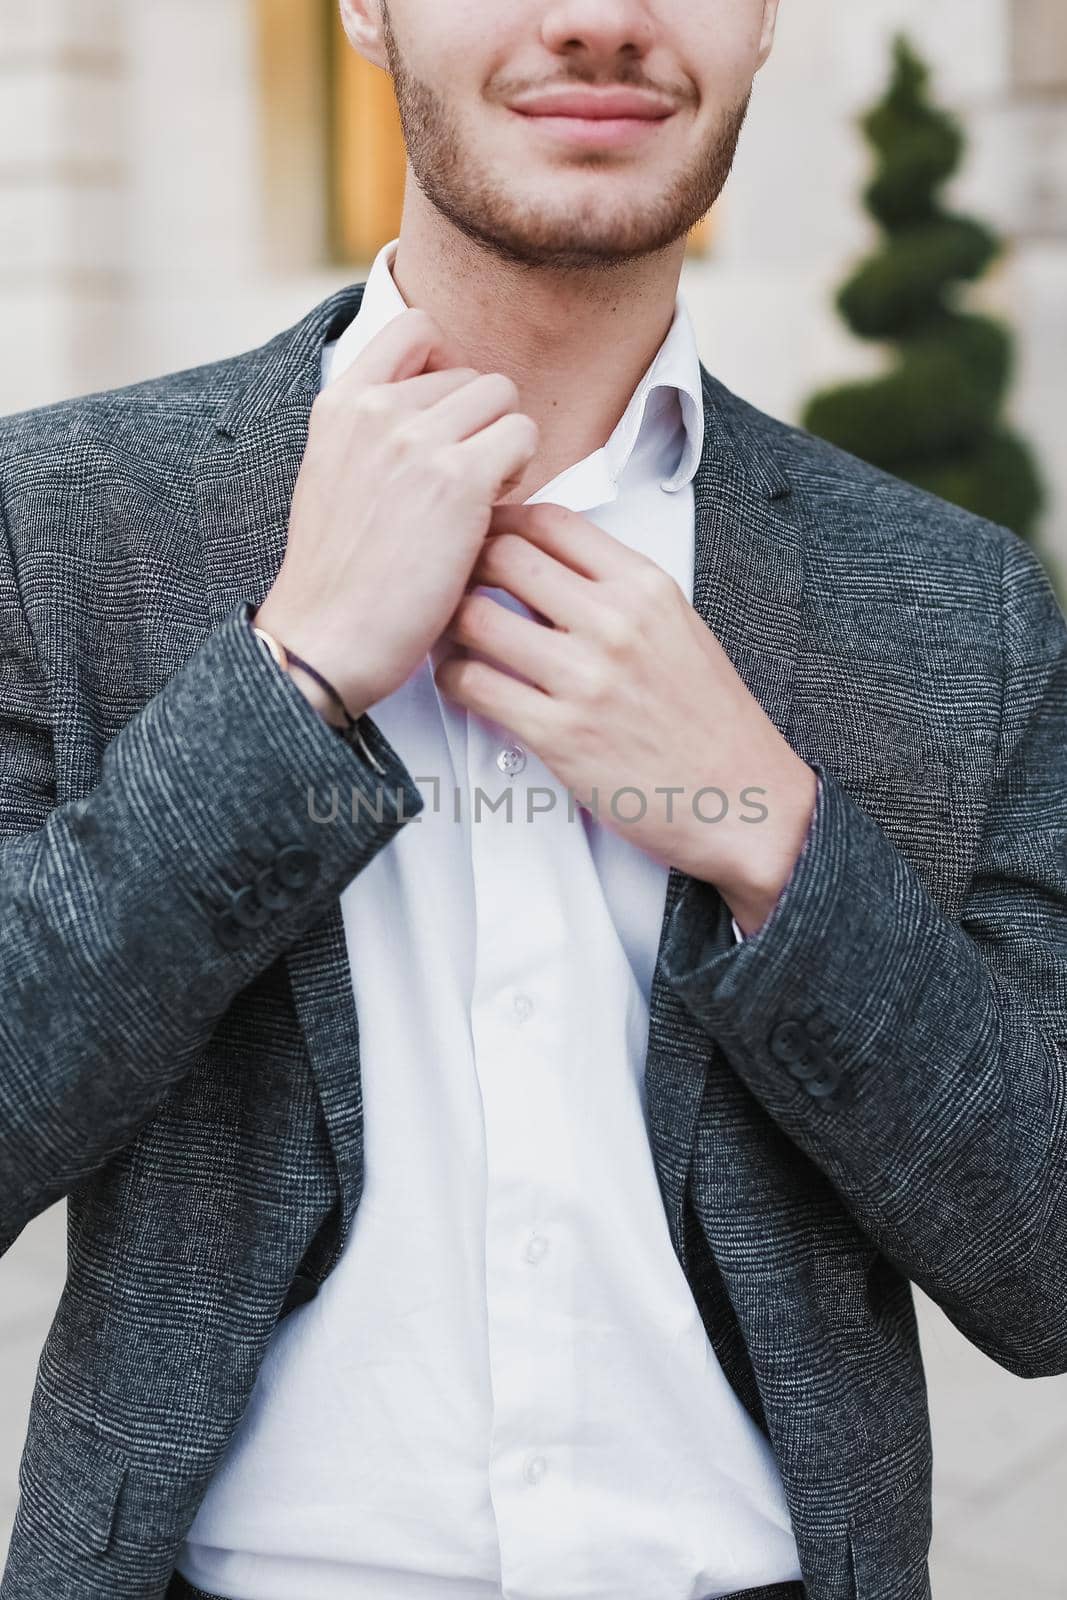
407	454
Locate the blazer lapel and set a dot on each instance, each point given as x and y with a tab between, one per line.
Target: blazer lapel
747	576
244	487
246	475
747	565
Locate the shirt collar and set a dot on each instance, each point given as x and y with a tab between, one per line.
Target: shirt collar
381	302
672	382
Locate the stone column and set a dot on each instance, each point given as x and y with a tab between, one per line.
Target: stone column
62	178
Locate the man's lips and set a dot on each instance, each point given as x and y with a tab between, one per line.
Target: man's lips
606	118
589	105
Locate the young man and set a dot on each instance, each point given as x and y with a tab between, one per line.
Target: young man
653	815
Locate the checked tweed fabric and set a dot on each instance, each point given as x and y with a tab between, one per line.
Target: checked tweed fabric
870	1091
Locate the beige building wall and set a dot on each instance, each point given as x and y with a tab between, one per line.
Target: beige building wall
154	218
64	173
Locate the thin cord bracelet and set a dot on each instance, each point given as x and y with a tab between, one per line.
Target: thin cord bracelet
285	659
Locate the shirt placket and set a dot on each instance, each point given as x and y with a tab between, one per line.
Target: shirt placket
518	1025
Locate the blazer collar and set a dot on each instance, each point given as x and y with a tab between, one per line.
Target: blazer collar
288	367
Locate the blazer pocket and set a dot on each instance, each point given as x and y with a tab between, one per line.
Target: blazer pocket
69	1478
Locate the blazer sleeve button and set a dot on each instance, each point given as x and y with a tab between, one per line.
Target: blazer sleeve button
823	1085
803	1071
228	930
271	891
788	1041
296	866
247	908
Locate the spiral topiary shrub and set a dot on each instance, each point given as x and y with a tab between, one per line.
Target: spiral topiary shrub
934	417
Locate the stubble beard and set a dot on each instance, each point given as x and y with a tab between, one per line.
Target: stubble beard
587	239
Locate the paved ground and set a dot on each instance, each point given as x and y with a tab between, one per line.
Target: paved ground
1000	1444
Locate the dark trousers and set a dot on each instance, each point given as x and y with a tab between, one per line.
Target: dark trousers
180	1590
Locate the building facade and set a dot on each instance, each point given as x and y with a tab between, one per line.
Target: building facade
173	188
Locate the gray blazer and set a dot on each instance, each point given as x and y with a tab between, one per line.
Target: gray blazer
872	1090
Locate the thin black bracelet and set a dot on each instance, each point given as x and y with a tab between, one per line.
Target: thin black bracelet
298	661
350	730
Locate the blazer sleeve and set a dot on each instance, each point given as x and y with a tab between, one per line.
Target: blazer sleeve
119	946
921	1062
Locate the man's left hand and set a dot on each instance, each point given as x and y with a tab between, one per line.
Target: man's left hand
623	687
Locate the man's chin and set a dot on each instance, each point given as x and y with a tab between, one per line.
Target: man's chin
568	244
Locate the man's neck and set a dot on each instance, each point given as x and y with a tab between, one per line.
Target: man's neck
576	344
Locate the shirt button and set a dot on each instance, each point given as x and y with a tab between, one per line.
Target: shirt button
534	1468
536	1248
523	1007
511	759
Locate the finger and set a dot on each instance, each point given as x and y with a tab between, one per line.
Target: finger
543	584
508	640
470	407
424	390
497	452
412	342
566	535
492	694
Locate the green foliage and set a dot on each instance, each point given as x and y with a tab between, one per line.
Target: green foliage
934	417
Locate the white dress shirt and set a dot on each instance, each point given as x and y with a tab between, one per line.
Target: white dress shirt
504	1388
